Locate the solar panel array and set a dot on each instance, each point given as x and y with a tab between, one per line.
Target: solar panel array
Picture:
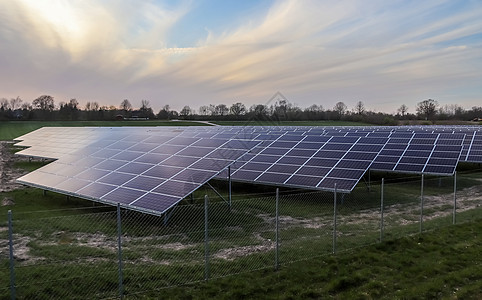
153	168
149	173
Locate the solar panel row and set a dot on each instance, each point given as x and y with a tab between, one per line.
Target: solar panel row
153	168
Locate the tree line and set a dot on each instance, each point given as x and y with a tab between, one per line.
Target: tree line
45	108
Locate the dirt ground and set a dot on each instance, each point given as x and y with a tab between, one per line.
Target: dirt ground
7	171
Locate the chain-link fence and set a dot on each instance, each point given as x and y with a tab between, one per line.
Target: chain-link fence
104	252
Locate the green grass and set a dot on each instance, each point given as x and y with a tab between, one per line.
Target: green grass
441	264
12	129
290	123
75	243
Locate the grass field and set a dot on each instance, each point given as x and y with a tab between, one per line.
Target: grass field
67	247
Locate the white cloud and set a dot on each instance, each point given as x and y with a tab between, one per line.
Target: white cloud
377	52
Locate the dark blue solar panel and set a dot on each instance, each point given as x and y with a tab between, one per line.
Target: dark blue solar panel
440	169
105	153
195	151
341	184
176	188
127	155
182	141
121	145
195	176
306	145
72	185
300	180
245	175
155	202
226	154
321	162
313	171
337	147
151	158
413	160
353	164
265	158
273	177
134	168
142	147
210	164
116	178
361	155
92	174
167	149
291	160
257	166
144	183
329	154
274	151
283	144
409	168
346	173
96	190
287	169
301	152
179	161
163	171
123	195
420	147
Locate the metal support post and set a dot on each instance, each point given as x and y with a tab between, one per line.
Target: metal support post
44	193
276	257
455	199
369	181
381	211
206	239
334	220
10	248
229	186
421	205
119	251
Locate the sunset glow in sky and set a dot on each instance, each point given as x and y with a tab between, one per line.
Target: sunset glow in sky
200	52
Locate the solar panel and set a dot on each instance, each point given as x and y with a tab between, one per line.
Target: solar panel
169	162
134	182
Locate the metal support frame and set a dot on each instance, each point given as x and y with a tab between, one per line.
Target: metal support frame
119	251
381	210
334	220
168	215
11	258
421	205
206	238
454	215
229	187
217	193
276	257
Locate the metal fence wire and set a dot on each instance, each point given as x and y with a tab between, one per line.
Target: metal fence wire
112	253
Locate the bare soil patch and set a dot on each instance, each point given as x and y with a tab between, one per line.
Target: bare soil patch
8	173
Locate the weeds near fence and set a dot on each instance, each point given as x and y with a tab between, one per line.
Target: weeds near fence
74	252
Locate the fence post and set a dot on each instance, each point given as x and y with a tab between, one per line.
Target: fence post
421	205
10	247
119	252
381	211
334	220
276	257
206	239
455	199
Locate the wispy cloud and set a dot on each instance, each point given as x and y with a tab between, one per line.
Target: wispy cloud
383	53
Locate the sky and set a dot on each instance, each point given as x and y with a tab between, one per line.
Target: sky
200	52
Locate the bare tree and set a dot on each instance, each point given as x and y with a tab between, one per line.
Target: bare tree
15	103
238	109
186	111
359	108
340	108
125	105
44	102
145	105
221	110
314	108
427	108
403	109
204	110
4	104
